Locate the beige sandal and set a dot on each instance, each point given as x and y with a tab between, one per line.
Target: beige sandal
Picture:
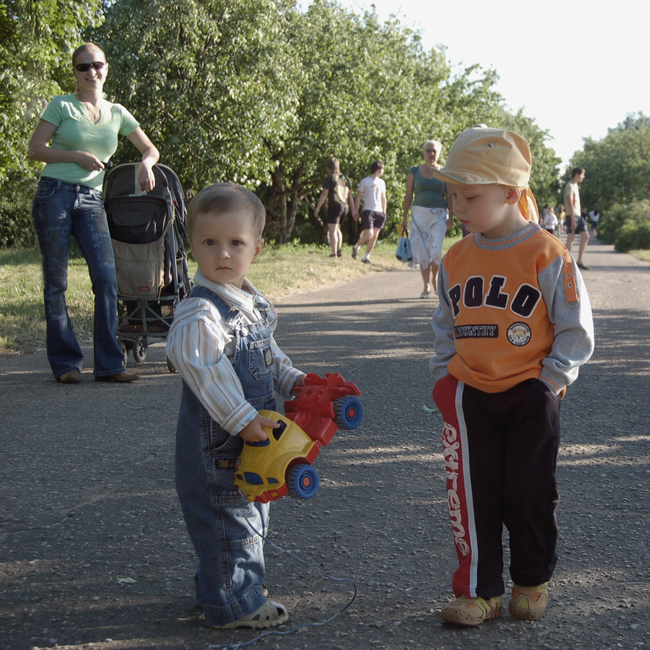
471	611
270	614
528	603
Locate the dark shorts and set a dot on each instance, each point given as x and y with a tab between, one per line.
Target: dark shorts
372	219
336	212
581	226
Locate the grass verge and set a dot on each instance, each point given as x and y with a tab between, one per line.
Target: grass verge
280	271
642	254
22	317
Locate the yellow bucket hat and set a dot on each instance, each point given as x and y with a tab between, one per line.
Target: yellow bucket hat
482	156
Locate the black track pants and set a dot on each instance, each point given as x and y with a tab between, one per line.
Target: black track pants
500	454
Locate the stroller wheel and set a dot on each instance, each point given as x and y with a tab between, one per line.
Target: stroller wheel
125	352
139	351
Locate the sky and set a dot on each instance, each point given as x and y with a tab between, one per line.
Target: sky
576	68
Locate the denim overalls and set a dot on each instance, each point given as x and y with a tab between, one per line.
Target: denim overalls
231	560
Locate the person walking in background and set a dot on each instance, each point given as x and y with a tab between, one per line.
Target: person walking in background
373	191
513	327
561	218
549	220
336	190
76	136
425	197
575	222
594	218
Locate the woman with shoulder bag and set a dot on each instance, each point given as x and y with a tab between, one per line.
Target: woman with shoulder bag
336	190
429	216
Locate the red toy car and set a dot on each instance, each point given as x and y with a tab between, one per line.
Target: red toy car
281	464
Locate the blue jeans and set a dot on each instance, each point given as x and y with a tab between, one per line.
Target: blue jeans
61	210
223	525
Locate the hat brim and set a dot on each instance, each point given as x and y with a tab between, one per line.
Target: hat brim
470	179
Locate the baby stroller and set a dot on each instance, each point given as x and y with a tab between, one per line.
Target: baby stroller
147	231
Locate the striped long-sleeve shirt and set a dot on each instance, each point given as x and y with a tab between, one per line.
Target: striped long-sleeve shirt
200	347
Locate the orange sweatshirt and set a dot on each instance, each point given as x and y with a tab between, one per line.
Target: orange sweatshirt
511	309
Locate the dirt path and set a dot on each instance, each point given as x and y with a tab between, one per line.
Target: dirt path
93	549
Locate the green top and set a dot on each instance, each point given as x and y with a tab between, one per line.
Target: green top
429	192
76	132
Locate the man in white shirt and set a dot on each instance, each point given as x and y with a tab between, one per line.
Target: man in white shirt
373	190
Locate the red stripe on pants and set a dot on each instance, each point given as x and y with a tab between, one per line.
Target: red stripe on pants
500	454
459	501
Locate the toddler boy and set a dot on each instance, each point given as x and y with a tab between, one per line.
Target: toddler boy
221	342
513	327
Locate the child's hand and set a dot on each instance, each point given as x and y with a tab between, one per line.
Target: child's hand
253	431
300	383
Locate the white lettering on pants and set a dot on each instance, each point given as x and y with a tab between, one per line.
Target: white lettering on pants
450	447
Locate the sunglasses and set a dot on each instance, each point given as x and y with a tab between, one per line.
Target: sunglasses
95	65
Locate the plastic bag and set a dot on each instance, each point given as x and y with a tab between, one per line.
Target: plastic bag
403	251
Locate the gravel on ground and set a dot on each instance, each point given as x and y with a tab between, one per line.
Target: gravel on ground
94	552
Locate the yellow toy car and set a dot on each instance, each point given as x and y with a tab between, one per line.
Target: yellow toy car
261	472
282	464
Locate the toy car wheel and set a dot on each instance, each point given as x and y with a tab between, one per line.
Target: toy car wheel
348	412
302	481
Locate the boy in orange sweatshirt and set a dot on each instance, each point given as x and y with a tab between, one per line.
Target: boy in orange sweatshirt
513	326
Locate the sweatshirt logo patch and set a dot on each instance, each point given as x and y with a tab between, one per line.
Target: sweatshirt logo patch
519	334
476	331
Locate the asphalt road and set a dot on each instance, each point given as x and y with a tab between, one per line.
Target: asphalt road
94	552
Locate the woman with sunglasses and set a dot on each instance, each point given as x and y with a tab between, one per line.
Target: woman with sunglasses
76	137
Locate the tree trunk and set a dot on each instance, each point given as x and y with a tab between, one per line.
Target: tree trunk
276	205
283	201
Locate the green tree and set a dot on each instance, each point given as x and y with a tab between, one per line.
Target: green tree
37	39
367	91
357	86
262	93
626	226
205	78
617	166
